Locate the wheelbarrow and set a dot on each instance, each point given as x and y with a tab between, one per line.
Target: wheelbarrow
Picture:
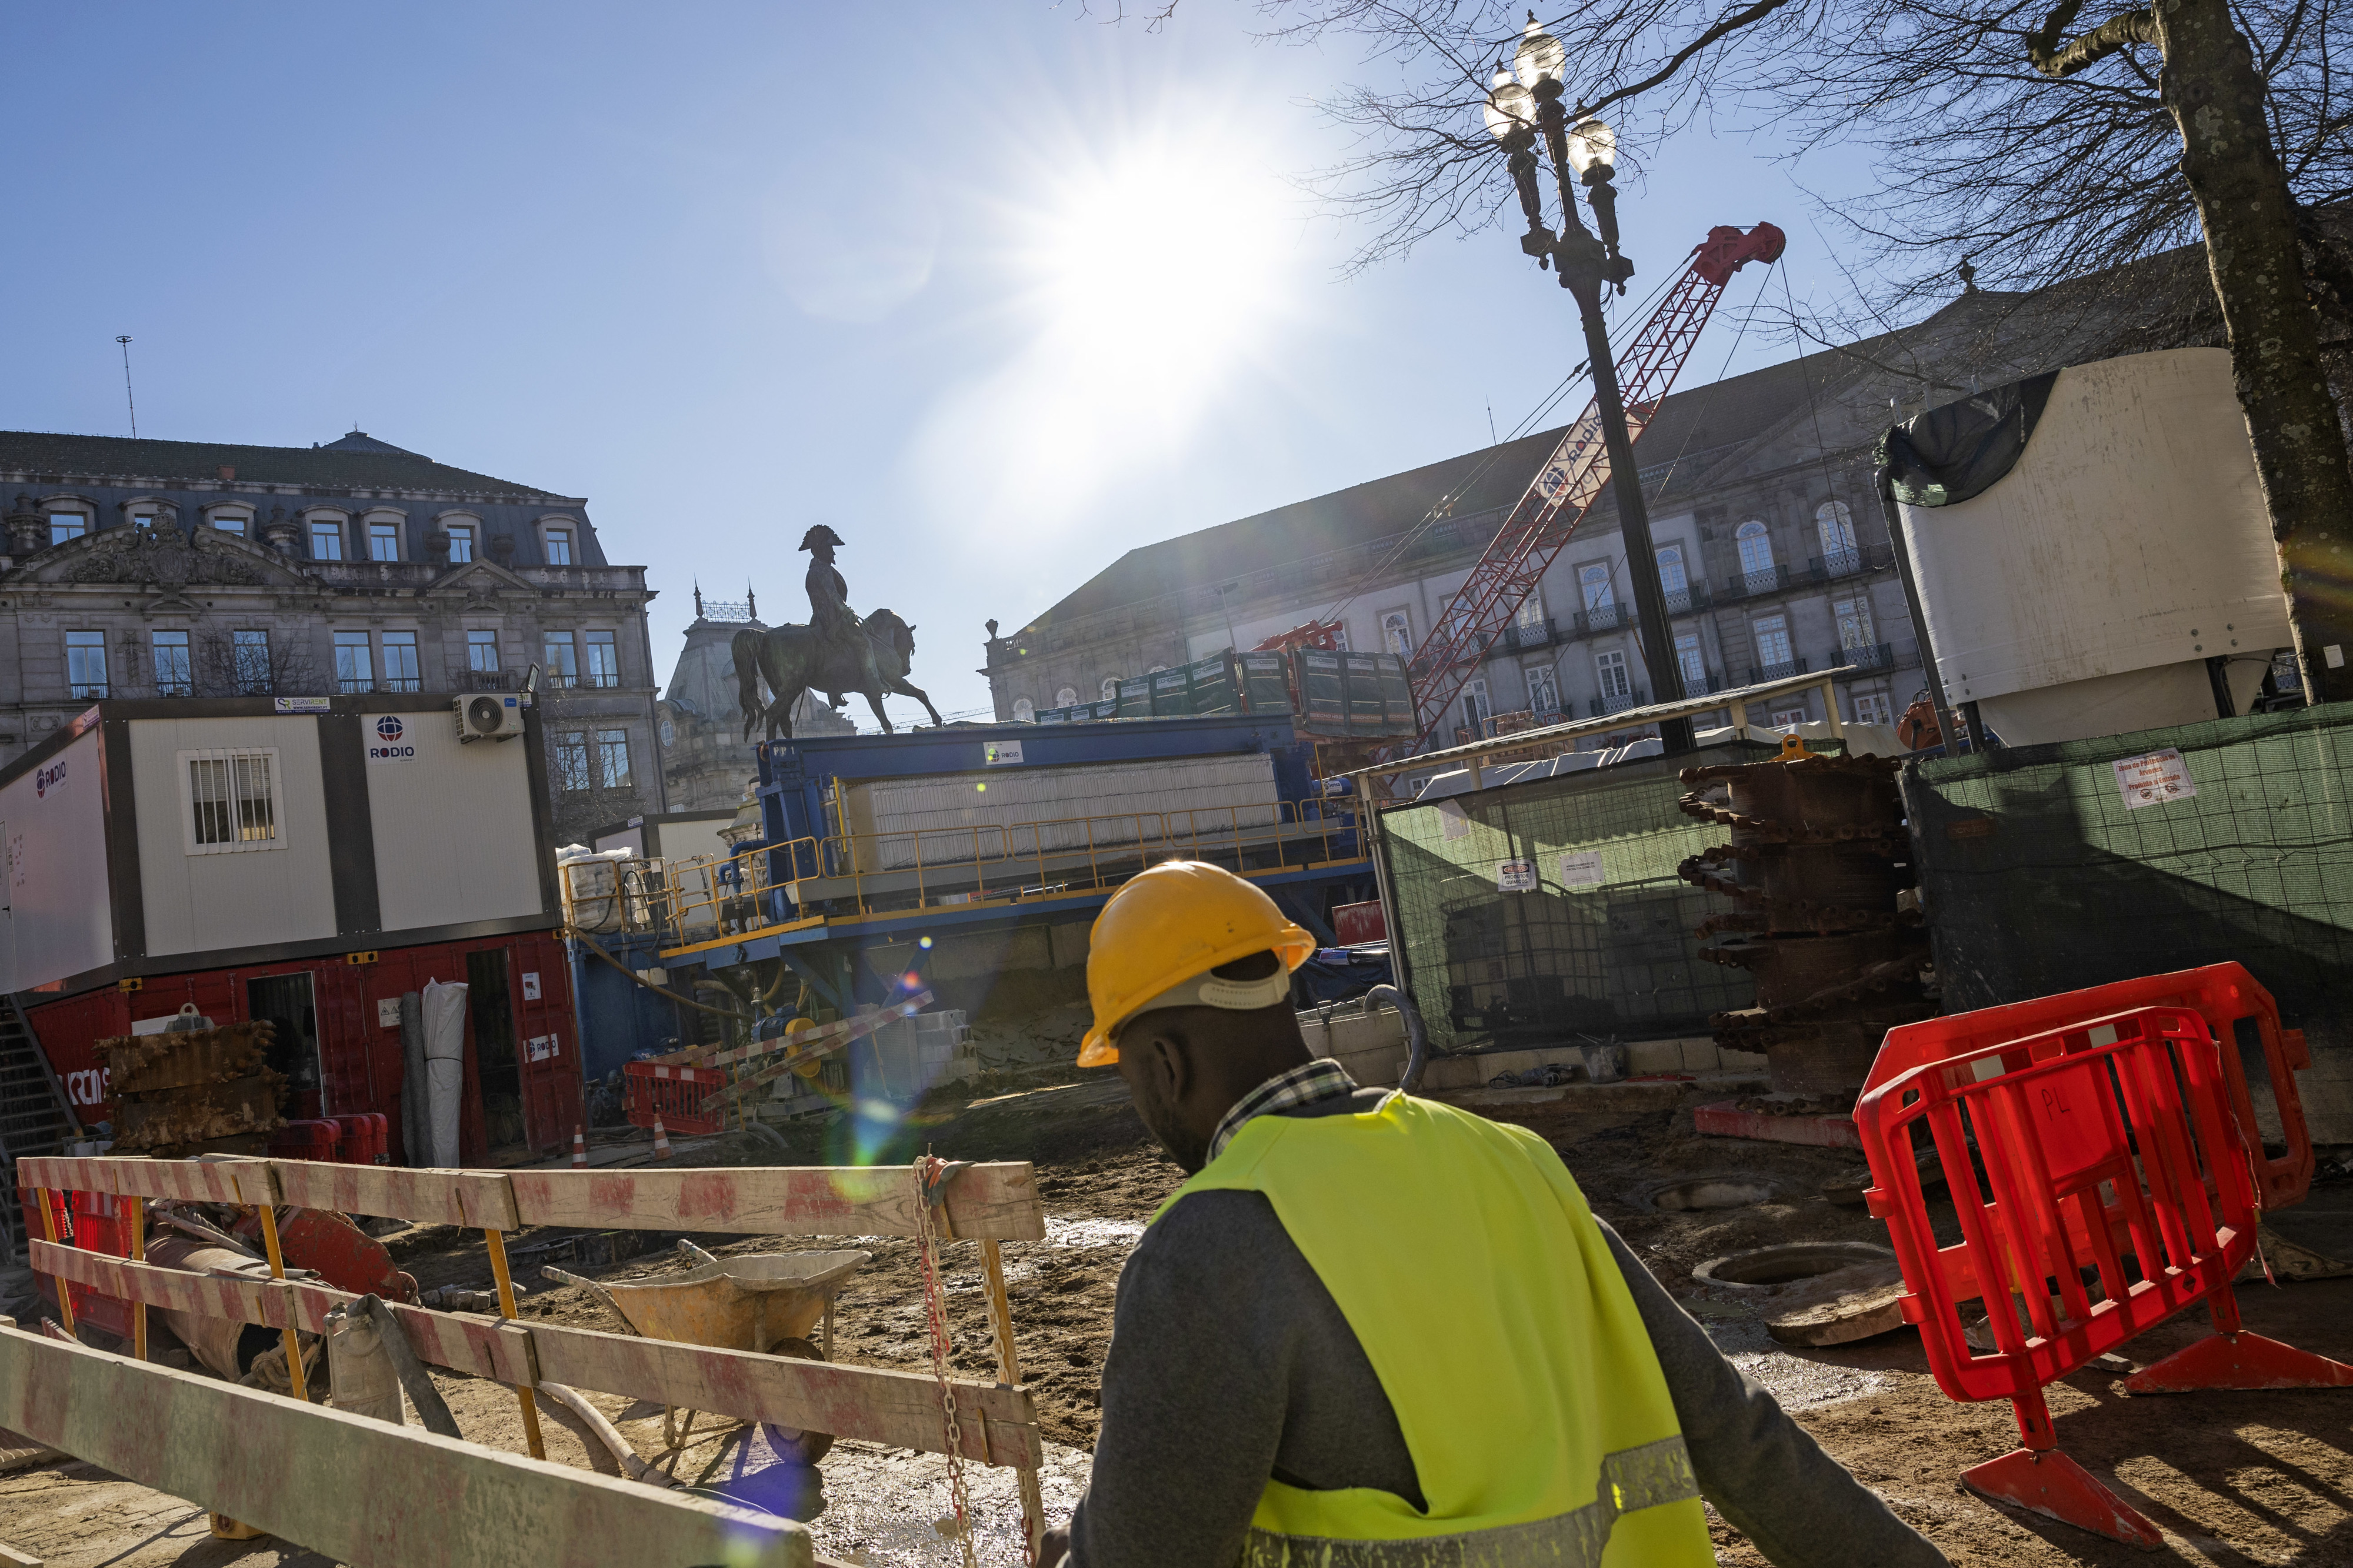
767	1302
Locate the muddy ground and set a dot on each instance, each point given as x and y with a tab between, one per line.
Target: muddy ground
2234	1479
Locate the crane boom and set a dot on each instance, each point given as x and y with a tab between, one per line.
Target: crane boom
1577	473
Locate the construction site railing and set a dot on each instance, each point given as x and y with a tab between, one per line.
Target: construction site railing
986	862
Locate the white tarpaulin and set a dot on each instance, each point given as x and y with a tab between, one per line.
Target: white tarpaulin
445	1065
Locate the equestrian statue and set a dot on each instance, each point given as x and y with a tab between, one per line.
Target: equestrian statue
837	652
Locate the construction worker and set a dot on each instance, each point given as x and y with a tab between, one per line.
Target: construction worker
1374	1330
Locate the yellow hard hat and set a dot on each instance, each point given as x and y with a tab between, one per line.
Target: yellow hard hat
1176	922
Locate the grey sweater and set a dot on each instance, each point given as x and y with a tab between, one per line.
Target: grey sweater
1231	1362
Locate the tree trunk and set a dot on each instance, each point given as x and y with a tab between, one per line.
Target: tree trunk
2250	219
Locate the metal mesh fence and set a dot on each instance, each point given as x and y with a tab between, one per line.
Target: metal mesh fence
1600	944
2047	869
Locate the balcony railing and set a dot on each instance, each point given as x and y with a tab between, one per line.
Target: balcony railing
1682	601
1761	672
89	691
1836	563
488	679
1529	634
355	687
401	683
1827	568
1604	617
1872	656
1600	707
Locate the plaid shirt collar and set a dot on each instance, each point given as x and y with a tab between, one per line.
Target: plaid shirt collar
1306	1084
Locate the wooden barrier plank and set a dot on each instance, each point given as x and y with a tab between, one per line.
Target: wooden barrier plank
870	1403
360	1491
477	1199
132	1175
992	1201
244	1296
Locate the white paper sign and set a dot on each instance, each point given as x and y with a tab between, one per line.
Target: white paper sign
387	1012
1582	870
998	753
1515	876
531	984
543	1047
1451	823
2156	779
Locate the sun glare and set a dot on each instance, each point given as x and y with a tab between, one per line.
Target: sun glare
1155	269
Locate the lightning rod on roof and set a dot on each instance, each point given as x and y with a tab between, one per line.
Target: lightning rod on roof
127	398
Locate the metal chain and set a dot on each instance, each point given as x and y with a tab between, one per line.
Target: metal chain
935	1312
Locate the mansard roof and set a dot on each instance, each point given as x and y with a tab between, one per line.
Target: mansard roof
357	462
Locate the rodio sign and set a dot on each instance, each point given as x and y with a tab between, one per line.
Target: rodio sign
391	743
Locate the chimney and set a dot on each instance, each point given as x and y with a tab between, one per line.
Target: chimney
227	474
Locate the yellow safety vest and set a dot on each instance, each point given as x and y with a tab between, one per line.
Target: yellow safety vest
1491	1308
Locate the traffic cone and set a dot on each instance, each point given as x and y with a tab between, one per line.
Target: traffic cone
662	1139
579	1149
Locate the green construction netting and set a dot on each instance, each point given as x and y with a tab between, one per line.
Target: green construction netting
2040	878
1602	945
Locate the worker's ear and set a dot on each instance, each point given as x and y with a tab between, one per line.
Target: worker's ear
1164	1060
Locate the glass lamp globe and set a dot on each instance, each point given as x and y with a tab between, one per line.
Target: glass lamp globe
1539	57
1591	142
1510	106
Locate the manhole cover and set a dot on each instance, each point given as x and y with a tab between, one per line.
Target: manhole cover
1768	1267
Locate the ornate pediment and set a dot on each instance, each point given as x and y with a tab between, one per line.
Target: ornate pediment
163	559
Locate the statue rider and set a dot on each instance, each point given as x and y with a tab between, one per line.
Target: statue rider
832	623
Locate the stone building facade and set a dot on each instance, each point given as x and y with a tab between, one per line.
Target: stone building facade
1771	544
139	568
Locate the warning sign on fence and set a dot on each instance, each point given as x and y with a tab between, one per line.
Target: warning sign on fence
1582	870
2155	779
1515	876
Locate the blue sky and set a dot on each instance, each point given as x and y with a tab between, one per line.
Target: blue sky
994	289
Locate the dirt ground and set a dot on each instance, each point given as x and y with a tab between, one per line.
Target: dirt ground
2232	1478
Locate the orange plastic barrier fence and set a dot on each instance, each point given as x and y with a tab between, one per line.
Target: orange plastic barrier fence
676	1095
2121	1193
2222	994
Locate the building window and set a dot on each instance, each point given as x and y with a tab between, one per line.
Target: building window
1691	662
326	542
482	659
228	522
562	659
1543	690
1024	711
613	759
65	525
1110	689
354	668
1476	710
1836	526
461	543
232	801
1066	697
1609	670
173	677
250	663
85	663
383	540
1397	632
559	547
1530	615
604	660
1593	586
146	520
1756	556
571	761
1789	717
1672	580
1773	645
1870	708
1855	629
400	672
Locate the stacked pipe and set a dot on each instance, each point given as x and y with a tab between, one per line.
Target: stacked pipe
1816	861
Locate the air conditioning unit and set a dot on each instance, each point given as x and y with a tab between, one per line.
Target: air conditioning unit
488	716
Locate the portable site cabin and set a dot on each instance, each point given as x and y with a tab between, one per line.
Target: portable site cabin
306	860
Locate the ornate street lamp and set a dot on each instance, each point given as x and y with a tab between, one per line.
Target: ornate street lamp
1524	112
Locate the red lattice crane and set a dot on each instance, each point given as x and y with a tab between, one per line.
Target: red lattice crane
1574	477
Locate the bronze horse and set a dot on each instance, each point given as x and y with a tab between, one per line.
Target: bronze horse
792	660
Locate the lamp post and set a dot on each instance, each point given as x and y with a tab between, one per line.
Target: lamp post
1524	111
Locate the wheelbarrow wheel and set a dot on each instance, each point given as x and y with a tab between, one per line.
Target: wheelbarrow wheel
790	1444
